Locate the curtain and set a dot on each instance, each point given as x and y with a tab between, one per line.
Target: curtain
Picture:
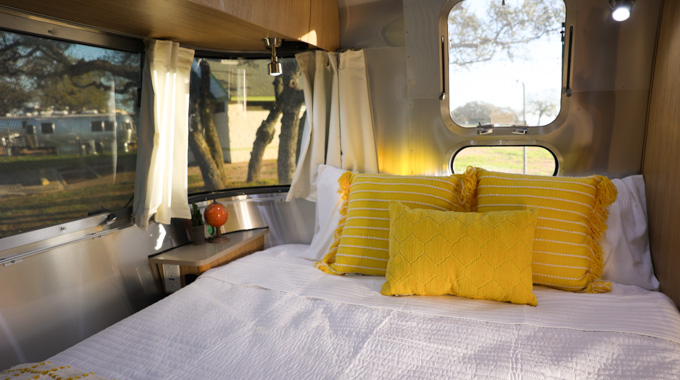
161	178
339	126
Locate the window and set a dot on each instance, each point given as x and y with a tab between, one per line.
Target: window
508	159
96	126
65	172
250	117
47	128
109	126
504	62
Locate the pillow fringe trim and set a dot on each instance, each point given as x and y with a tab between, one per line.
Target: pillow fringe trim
606	195
469	189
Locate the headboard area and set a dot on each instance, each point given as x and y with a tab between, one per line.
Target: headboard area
661	163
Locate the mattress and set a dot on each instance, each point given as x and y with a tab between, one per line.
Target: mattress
272	315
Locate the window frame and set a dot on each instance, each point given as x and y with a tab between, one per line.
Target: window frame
15	247
96	126
557	156
521	132
47	128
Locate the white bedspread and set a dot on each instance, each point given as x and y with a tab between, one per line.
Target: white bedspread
272	315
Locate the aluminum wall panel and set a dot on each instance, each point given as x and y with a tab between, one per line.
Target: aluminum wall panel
54	299
603	130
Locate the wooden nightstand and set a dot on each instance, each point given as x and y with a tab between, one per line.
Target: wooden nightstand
188	261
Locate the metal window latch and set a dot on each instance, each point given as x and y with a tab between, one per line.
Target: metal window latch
484	129
110	219
519	131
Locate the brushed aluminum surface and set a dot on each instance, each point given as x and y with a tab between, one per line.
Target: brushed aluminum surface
601	132
54	299
603	129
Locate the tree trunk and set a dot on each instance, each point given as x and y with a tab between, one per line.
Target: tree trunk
209	170
263	137
288	140
289	99
203	139
212	139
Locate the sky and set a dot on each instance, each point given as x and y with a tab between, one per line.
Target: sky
501	81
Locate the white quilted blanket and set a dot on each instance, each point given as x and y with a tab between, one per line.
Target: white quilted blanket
273	316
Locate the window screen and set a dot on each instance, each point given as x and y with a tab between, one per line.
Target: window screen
58	162
505	62
251	119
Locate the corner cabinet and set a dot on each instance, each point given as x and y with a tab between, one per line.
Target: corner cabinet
207	24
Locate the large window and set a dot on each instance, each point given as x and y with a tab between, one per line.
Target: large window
244	124
63	153
504	62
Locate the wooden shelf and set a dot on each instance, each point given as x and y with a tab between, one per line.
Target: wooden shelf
174	265
208	24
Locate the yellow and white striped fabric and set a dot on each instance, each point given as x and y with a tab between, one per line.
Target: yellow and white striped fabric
361	242
572	215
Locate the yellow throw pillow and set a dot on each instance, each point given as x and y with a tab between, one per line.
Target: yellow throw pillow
572	215
473	255
361	239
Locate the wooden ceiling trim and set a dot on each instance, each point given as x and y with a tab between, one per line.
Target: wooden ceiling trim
209	24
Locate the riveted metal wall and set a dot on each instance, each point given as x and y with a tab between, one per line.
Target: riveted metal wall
602	132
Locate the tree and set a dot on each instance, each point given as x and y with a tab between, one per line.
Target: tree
204	141
542	107
473	113
474	37
15	95
289	99
73	93
47	71
203	138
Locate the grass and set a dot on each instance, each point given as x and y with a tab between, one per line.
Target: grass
45	206
507	159
37	162
22	213
237	174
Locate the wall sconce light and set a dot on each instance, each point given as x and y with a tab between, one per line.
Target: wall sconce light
621	9
272	43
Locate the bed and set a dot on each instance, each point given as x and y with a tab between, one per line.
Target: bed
275	315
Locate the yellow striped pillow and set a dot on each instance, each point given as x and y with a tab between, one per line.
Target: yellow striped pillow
361	241
572	215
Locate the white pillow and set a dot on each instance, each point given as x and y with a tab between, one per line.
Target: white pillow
625	245
328	205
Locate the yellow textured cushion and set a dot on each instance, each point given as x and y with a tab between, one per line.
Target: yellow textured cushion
572	215
361	242
473	255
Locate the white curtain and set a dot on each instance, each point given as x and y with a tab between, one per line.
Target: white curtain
161	178
339	128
